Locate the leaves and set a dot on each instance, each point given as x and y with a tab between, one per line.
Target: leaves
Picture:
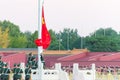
4	38
101	40
106	40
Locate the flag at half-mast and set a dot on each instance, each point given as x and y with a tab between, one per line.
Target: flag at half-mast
46	39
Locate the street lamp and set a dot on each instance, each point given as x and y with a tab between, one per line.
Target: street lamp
81	42
104	31
60	40
68	40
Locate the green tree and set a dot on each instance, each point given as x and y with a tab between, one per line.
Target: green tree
34	37
105	32
14	34
13	29
79	43
30	39
54	42
18	42
103	40
69	36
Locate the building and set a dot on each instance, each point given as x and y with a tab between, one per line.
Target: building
66	58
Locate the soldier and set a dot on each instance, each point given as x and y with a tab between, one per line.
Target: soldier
42	60
1	62
30	57
18	73
14	71
34	64
28	72
5	72
1	66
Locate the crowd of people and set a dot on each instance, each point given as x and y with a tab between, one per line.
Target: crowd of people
32	63
108	72
4	70
16	71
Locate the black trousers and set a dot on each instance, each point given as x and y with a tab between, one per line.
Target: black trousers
16	79
5	77
27	77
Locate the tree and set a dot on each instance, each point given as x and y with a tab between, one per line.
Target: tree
14	34
13	29
4	38
33	38
79	43
18	42
69	36
103	40
105	32
54	42
30	39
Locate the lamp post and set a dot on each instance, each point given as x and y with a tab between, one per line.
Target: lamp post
104	32
68	40
59	42
81	42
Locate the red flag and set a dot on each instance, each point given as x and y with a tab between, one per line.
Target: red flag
38	42
46	39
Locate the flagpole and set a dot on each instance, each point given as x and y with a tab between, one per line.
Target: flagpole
40	48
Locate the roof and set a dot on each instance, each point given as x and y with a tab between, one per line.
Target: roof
74	51
13	57
92	56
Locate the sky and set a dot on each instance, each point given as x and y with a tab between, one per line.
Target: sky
84	15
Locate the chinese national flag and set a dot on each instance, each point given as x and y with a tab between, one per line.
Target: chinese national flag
46	39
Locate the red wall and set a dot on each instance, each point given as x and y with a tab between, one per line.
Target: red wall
15	58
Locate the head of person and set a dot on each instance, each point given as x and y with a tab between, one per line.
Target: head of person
18	65
5	65
0	57
33	57
15	65
30	54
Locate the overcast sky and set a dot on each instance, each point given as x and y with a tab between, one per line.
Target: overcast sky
84	15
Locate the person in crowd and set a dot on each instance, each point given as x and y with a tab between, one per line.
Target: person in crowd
1	66
5	72
42	60
28	72
1	62
34	63
30	57
18	73
14	71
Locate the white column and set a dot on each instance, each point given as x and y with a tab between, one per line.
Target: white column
94	71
